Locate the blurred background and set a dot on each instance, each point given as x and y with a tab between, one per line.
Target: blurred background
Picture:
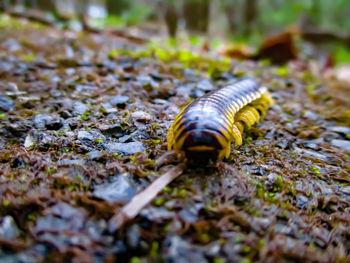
323	23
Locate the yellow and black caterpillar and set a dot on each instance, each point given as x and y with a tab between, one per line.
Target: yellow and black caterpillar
209	124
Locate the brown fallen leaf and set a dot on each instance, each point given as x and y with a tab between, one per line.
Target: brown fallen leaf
132	37
131	209
236	51
279	49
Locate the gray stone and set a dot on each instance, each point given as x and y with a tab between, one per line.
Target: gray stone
189	214
157	214
181	251
60	217
94	154
42	139
281	228
213	248
189	73
120	188
302	201
41	120
53	223
147	81
108	108
272	177
70	163
160	101
197	93
29	141
11	44
328	136
6	104
74	122
6	66
55	124
79	108
12	87
141	116
129	148
114	129
345	190
8	228
313	144
205	85
67	211
314	155
119	101
86	138
136	136
310	115
133	236
340	129
184	90
343	144
95	228
44	121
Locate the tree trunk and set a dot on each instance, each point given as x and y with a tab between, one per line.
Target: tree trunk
171	19
196	13
4	5
250	15
46	5
116	7
230	11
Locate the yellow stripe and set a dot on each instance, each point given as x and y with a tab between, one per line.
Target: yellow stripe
201	148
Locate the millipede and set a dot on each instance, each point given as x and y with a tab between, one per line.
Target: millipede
207	126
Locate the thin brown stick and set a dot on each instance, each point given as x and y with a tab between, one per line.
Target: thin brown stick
32	15
131	209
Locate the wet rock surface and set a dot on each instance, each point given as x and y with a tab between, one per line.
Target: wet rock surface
82	132
8	228
6	104
128	148
179	250
120	188
343	144
119	101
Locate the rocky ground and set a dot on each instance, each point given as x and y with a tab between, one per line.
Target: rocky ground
83	129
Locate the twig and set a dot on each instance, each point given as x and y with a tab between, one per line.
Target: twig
131	209
133	38
32	15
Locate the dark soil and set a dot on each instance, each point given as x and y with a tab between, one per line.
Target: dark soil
83	129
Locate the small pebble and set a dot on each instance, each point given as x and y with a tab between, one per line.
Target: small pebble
141	116
119	101
343	144
6	104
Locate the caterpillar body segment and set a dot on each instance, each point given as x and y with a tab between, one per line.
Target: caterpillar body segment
207	126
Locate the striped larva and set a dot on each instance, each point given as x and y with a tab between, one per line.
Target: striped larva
208	125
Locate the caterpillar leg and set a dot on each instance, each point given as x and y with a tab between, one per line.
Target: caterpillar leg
224	153
240	126
237	133
246	117
262	104
254	112
267	97
251	117
261	110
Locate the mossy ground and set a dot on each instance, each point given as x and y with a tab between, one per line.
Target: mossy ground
283	196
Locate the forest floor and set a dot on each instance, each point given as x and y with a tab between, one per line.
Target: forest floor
84	119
